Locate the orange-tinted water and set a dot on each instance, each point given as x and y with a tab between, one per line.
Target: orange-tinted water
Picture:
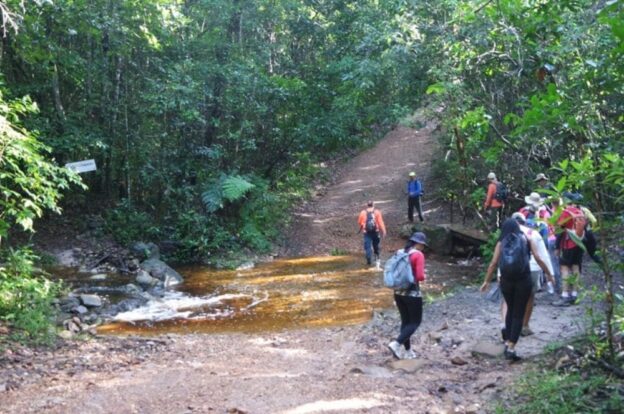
293	293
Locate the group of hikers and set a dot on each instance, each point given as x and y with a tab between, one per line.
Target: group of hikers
540	245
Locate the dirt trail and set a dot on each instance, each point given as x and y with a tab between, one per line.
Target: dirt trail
345	369
380	174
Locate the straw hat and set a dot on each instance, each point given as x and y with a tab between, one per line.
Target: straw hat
534	199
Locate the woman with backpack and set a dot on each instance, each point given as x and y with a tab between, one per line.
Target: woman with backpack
511	257
409	301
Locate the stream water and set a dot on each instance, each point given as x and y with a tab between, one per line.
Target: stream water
283	294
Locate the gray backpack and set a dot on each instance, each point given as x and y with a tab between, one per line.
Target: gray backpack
398	271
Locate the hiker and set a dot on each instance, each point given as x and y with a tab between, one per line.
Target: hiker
536	271
544	184
575	232
536	214
494	201
414	192
511	257
409	301
371	224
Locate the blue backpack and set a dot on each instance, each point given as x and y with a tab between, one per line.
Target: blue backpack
515	255
398	271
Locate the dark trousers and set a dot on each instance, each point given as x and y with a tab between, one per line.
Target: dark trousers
371	243
516	292
494	217
411	203
410	309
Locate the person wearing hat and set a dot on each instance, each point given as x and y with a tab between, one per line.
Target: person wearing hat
545	187
492	205
414	192
409	301
537	214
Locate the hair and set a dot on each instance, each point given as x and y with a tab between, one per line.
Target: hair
509	226
370	203
409	245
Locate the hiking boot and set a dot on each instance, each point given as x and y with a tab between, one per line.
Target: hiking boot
510	355
562	302
526	331
573	300
410	354
395	348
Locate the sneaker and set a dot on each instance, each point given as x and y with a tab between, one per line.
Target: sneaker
410	354
573	300
395	348
378	264
510	355
526	331
562	302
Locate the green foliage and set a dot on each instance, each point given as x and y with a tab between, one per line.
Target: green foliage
487	250
26	299
558	392
127	225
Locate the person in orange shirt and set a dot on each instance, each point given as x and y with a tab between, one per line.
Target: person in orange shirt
370	222
492	205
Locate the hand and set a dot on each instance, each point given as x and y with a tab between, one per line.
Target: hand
551	279
484	286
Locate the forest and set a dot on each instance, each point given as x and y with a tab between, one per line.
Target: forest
209	120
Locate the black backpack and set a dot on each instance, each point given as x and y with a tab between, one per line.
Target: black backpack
501	192
515	255
371	224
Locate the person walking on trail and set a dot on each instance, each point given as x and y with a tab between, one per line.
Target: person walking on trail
544	184
370	222
576	238
409	301
536	271
414	192
494	201
511	257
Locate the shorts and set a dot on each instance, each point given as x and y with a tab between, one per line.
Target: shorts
571	257
536	280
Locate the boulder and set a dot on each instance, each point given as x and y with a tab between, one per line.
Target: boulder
143	278
439	237
91	300
99	276
161	271
80	310
68	303
488	349
145	251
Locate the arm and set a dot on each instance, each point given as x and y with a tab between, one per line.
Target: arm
543	254
540	262
361	221
419	190
417	260
491	267
380	222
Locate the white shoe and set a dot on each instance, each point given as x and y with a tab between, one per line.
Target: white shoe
395	348
409	355
378	264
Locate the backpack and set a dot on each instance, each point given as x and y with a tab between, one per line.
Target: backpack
398	271
371	224
501	193
515	255
572	219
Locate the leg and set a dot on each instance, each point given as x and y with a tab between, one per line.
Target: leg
419	209
375	239
414	308
410	209
555	263
503	311
367	248
516	295
403	311
535	276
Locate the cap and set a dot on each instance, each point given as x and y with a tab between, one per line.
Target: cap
491	176
419	238
534	199
412	174
540	177
519	217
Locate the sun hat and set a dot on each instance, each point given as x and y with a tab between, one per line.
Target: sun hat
540	177
419	238
534	199
491	176
519	217
412	174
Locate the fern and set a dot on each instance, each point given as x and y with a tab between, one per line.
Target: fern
213	198
235	187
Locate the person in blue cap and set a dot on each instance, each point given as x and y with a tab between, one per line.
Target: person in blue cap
414	192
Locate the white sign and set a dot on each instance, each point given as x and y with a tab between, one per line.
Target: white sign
81	166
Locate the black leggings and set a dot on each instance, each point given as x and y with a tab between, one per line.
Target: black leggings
411	309
516	293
